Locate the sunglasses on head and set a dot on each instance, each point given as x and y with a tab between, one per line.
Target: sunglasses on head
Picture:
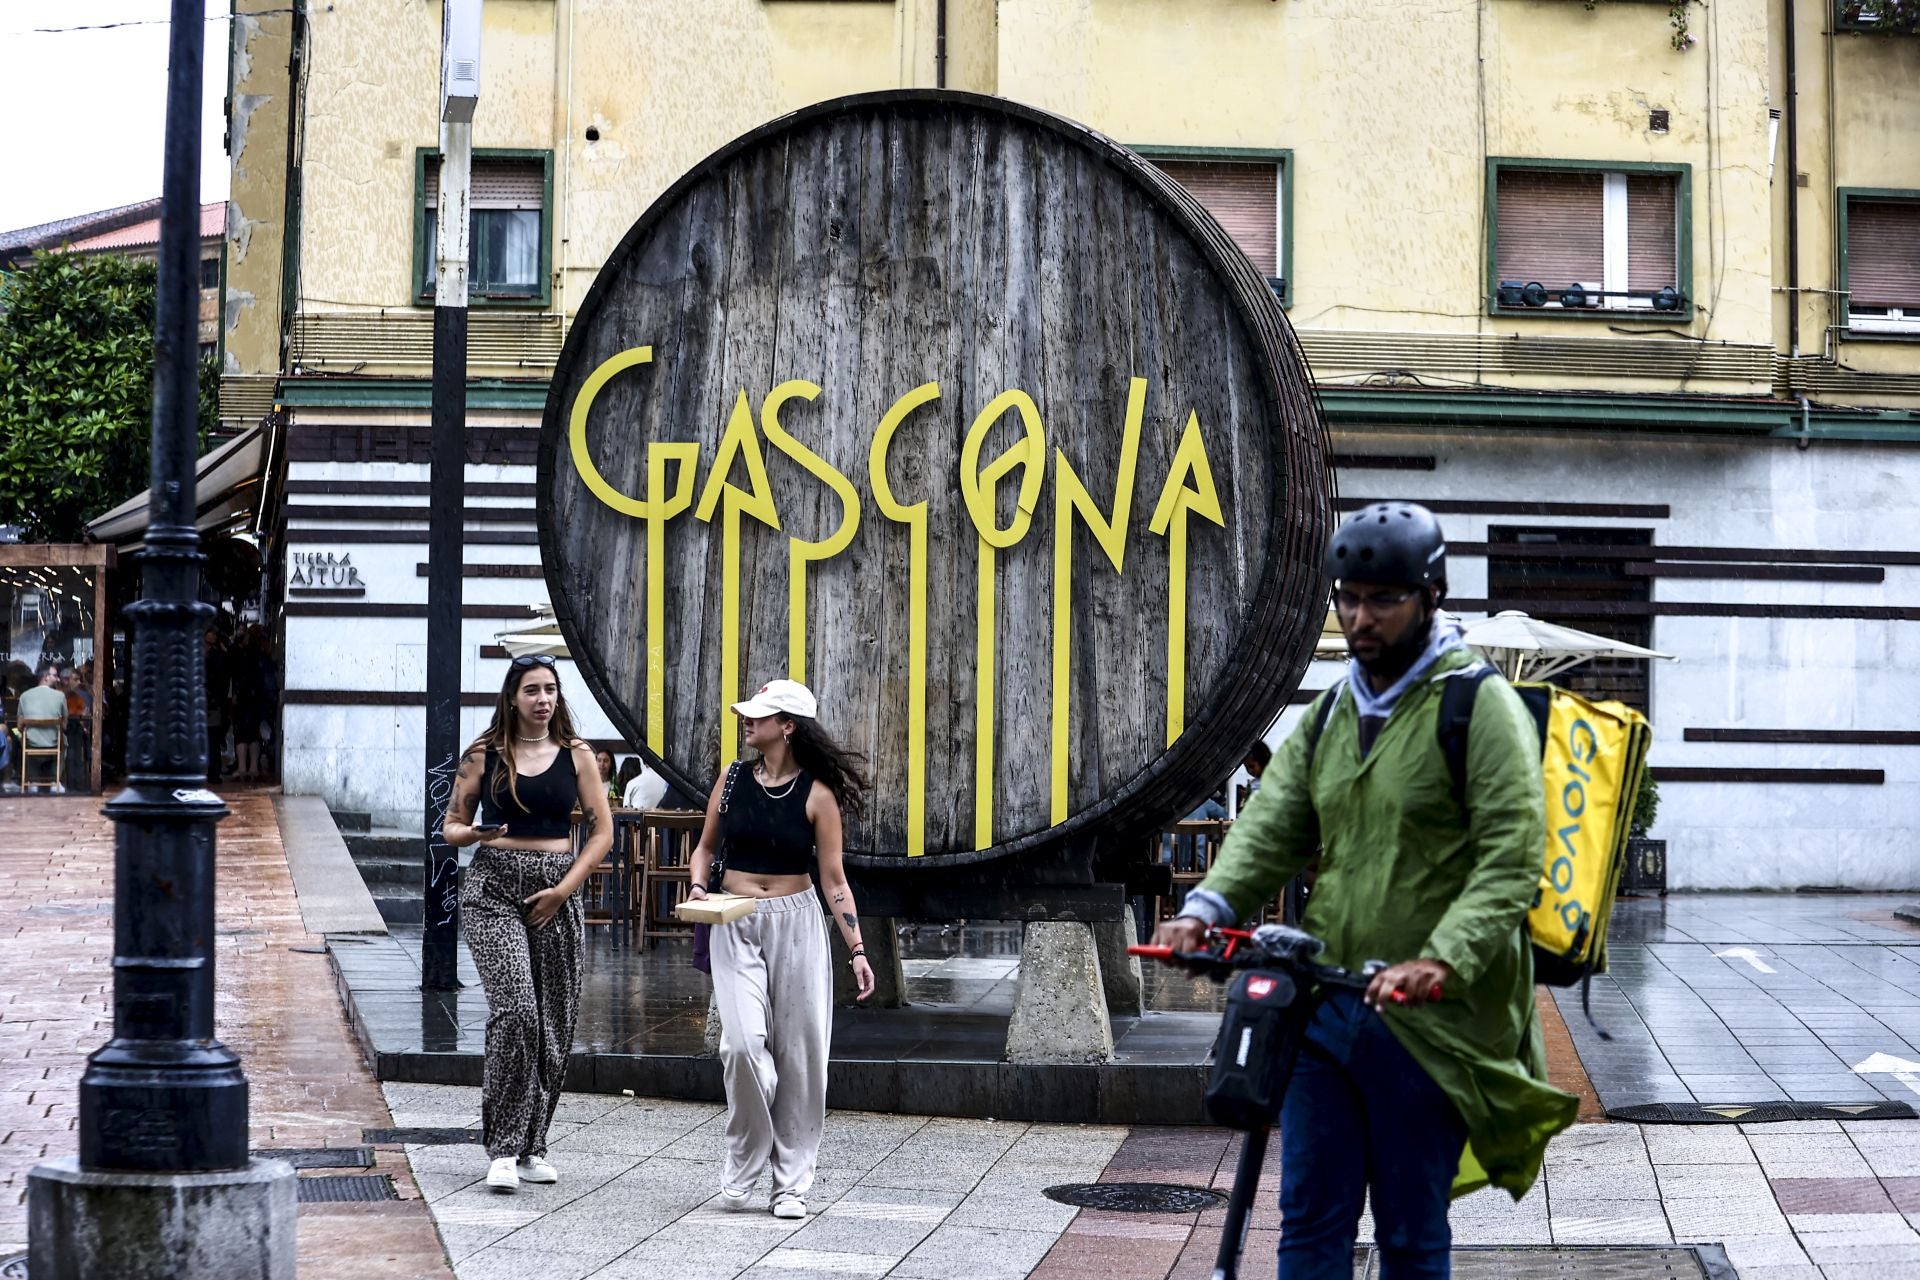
534	660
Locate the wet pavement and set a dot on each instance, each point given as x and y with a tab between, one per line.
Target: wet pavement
919	1198
1753	997
307	1084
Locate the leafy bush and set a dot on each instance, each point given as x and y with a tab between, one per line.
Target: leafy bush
1646	804
76	388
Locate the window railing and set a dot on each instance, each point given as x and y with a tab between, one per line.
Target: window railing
1882	17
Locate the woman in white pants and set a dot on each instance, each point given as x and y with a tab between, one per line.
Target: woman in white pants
770	820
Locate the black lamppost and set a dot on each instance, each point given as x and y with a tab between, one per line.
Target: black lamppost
163	1094
163	1186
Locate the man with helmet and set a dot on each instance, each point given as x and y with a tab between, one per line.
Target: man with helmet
1433	1082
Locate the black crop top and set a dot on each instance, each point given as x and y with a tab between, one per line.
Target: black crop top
768	833
547	799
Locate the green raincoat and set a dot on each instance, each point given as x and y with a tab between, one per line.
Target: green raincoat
1404	876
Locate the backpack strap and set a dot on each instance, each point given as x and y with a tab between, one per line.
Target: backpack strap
1457	697
1321	714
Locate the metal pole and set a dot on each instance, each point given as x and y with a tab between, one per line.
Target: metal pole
163	1095
439	963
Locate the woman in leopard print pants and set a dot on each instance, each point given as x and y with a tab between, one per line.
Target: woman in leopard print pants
524	923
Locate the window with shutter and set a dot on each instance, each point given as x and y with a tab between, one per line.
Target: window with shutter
1882	256
507	236
1587	240
1243	197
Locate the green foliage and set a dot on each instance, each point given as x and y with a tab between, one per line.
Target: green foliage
1646	805
1885	17
76	387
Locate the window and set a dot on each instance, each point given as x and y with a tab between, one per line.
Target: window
209	273
1580	578
1880	261
1248	193
508	246
1569	238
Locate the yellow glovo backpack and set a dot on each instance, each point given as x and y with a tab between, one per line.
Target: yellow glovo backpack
1591	756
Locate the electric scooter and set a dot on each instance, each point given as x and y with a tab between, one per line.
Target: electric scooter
1276	980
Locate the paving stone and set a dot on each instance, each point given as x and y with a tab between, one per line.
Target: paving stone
1680	1144
1745	1251
1683	1181
1624	1221
978	1253
1831	1195
497	1262
873	1220
1713	1218
1014	1210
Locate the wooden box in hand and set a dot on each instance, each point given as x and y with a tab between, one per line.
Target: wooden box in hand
715	908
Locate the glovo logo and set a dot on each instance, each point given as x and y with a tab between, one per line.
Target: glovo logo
1583	744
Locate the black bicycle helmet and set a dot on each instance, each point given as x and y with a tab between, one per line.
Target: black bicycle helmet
1394	543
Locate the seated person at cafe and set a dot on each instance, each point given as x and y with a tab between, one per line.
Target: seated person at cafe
45	701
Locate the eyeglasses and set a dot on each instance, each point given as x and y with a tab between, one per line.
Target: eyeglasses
1380	601
526	660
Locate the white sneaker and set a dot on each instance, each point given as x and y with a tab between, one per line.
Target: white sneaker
536	1169
59	790
734	1201
789	1207
502	1175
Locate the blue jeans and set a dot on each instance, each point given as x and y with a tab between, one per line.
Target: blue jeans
1362	1114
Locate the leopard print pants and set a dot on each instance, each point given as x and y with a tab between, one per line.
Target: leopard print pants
532	980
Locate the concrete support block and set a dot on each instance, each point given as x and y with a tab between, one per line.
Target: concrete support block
1119	972
881	934
1060	1008
234	1225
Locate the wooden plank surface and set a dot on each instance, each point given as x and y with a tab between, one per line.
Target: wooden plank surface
868	251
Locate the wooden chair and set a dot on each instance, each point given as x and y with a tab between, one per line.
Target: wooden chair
667	838
56	753
1195	845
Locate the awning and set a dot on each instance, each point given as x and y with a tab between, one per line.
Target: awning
227	484
1525	648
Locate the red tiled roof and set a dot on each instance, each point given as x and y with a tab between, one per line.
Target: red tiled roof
213	225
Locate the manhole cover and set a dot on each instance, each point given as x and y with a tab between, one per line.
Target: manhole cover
14	1267
320	1157
1757	1112
338	1186
1136	1197
424	1137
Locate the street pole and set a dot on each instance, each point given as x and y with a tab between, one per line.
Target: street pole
163	1177
459	91
163	1094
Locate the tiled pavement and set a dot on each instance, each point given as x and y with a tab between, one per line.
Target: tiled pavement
275	1006
915	1197
1824	983
907	1196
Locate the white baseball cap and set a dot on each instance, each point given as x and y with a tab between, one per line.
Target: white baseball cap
779	698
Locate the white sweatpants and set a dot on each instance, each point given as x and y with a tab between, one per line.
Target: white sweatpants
773	983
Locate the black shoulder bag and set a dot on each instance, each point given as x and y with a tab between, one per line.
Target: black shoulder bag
703	933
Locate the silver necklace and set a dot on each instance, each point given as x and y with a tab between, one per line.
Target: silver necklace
771	793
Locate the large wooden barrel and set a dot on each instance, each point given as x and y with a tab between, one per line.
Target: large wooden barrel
973	421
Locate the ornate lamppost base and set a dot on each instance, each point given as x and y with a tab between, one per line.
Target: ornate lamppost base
236	1224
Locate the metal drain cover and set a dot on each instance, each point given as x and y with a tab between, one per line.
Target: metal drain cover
1757	1112
13	1267
320	1157
1136	1197
424	1137
1575	1262
347	1186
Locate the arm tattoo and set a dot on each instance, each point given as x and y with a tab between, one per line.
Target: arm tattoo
840	896
852	922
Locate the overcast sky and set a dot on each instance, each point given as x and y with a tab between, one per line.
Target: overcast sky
83	113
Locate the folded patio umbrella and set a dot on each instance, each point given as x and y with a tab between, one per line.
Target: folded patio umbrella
539	638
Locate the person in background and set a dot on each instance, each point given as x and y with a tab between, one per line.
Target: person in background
45	701
79	736
219	701
252	684
645	789
603	760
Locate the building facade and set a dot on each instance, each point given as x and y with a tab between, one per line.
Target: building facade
1630	296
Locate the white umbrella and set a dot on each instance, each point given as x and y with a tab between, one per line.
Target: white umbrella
537	639
1525	648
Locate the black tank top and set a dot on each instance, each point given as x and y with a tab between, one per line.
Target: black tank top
768	834
547	799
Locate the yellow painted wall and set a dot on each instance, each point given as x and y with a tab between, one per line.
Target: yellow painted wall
1389	109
